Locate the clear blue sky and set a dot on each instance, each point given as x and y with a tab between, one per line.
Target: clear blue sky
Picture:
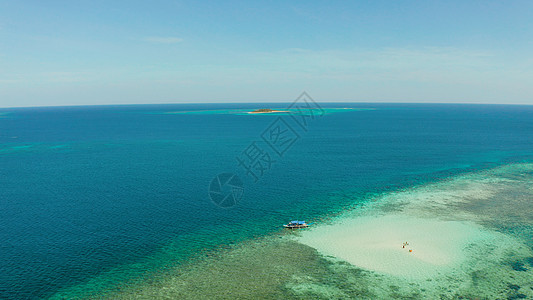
115	52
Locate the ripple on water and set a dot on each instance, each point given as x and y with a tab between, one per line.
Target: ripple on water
486	263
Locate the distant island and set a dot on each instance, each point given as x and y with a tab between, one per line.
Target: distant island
266	111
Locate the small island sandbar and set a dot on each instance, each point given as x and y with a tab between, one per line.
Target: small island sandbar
434	231
377	244
267	111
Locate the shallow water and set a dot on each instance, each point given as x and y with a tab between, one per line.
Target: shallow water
474	255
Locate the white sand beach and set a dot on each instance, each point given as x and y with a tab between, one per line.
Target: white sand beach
445	238
376	243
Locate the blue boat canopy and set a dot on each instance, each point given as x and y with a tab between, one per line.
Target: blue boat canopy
298	222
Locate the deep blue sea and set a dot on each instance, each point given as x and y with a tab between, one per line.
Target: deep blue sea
121	192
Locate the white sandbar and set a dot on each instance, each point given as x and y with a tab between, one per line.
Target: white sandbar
375	243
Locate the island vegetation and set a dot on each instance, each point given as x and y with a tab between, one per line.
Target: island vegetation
266	111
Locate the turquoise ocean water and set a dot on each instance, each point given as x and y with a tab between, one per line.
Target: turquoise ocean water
103	199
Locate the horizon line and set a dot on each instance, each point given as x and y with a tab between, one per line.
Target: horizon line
274	102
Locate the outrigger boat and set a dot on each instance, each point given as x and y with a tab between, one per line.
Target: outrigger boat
296	224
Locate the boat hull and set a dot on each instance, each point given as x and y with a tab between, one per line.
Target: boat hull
295	226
